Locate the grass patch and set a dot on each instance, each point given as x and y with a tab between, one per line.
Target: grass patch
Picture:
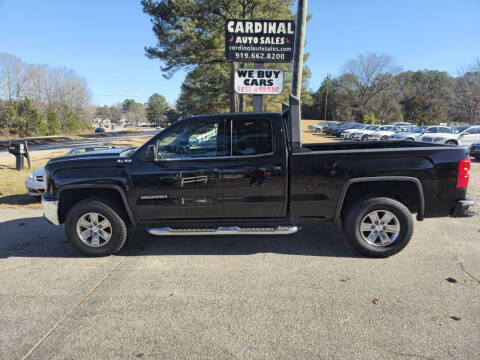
12	182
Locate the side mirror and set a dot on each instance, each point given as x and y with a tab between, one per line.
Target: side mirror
150	153
193	141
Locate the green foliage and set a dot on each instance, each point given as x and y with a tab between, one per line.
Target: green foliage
53	125
156	108
191	35
131	106
172	116
103	112
370	118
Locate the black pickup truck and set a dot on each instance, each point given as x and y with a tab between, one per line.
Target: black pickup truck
238	174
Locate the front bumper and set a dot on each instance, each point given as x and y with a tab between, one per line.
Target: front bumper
50	211
461	208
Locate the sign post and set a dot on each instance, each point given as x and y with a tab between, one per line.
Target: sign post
295	103
259	41
258	99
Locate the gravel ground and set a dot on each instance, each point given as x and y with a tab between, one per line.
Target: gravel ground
305	296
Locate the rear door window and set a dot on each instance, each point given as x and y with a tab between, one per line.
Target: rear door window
251	137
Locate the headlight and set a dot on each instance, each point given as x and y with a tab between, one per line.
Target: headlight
31	176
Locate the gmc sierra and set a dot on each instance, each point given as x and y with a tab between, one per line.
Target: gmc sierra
238	174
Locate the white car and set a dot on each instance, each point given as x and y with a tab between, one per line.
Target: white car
426	132
460	135
384	135
369	130
35	182
409	135
318	128
359	134
348	134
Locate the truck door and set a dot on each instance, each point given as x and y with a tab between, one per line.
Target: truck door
183	181
254	175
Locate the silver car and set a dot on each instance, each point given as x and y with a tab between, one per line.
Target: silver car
35	182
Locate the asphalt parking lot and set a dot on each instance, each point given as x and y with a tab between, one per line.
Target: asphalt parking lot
303	296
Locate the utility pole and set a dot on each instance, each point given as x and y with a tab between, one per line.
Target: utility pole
326	97
295	111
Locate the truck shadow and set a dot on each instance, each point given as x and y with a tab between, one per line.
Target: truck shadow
34	237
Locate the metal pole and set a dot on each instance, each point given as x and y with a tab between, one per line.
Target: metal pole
326	97
258	99
295	111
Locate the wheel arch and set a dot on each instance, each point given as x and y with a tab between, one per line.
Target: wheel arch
68	194
391	180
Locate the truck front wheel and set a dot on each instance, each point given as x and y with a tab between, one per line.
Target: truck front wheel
378	226
95	228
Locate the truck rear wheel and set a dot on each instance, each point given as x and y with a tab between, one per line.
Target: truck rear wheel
378	226
95	228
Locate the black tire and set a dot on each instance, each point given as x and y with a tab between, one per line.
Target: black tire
351	137
451	142
364	137
318	131
356	213
410	139
110	212
384	138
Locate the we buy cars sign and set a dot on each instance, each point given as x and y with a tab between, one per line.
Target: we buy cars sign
259	81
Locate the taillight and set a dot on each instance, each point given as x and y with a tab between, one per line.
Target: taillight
463	173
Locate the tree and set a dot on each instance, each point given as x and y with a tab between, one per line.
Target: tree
468	87
366	78
156	107
424	95
103	112
53	125
30	120
172	116
190	34
13	77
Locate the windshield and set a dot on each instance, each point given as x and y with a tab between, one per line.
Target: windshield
372	127
459	129
419	129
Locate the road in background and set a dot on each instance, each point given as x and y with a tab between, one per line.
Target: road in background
99	140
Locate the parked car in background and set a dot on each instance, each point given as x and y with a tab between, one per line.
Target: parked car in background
348	133
99	130
459	135
475	150
369	130
331	129
318	127
409	135
384	134
338	131
35	182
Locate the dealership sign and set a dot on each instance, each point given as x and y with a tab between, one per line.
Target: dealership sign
259	81
259	40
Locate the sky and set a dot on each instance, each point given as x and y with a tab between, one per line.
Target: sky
104	40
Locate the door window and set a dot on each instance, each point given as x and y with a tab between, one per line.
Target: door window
192	139
251	137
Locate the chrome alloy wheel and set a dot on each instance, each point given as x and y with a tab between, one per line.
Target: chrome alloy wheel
380	228
94	229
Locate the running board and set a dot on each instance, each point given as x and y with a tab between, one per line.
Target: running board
230	230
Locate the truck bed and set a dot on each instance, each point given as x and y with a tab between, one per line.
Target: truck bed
321	172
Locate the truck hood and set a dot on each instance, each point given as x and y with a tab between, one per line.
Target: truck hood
110	153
